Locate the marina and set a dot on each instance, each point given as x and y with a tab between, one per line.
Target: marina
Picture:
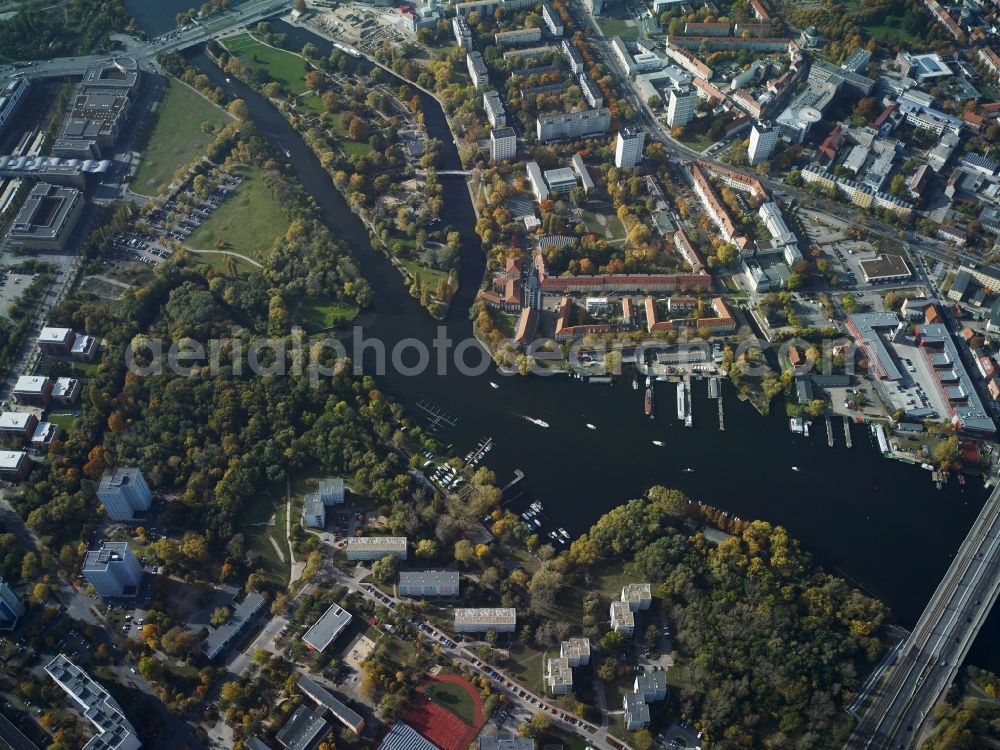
437	417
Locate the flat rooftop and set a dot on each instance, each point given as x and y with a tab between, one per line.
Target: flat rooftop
885	267
326	629
486	615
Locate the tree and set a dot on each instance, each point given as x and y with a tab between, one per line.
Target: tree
300	6
385	569
357	130
238	109
464	551
615	642
219	617
426	549
948	455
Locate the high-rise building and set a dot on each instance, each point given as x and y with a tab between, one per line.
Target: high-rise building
11	608
124	492
763	139
583	124
680	106
503	144
113	570
628	149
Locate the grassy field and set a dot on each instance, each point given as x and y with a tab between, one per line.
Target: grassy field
350	146
697	141
248	221
218	262
527	666
176	137
454	698
65	421
892	31
284	67
618	27
611	224
324	313
256	530
429	275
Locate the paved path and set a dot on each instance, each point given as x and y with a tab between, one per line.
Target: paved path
251	261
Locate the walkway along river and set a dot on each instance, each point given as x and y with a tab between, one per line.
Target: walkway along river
879	522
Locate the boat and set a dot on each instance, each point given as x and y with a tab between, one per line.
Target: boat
688	470
661	378
536	506
635	384
591	426
538	524
796	468
649	402
961	479
658	443
688	420
563	533
493	385
927	467
348	49
539	422
648	382
681	400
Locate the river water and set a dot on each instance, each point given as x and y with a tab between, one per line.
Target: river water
880	523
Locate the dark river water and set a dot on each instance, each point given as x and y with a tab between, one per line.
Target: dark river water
880	523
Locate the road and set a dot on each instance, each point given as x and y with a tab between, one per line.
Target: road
935	650
186	36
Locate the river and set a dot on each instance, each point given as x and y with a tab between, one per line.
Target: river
880	523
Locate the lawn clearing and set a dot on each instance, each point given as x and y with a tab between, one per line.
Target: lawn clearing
286	68
248	221
218	261
892	31
65	421
453	697
176	137
618	27
256	530
325	312
606	226
527	666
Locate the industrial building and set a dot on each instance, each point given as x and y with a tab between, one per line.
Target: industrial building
968	415
223	635
480	620
124	492
429	583
326	629
114	732
401	736
113	570
885	268
47	219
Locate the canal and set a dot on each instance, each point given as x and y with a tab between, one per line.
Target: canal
880	523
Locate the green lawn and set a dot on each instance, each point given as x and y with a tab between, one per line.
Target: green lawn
697	141
892	31
429	275
248	221
65	421
611	223
350	146
312	103
218	262
609	579
323	313
527	666
256	530
454	698
176	137
284	67
618	27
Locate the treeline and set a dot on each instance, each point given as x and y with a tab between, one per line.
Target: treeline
79	27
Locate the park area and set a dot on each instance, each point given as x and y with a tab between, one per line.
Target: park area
245	225
286	68
176	136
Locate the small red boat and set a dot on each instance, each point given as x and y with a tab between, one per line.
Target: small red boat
649	401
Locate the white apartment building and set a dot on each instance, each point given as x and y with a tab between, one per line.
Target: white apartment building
124	492
637	596
583	124
559	676
576	651
477	69
482	619
628	147
313	511
622	619
503	144
114	730
680	106
763	139
11	609
376	547
113	570
494	109
429	583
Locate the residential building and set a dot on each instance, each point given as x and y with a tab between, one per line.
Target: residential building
628	147
83	347
763	139
113	570
429	582
576	66
580	170
340	710
226	633
65	390
313	511
583	124
477	69
559	676
560	180
20	424
33	389
552	20
503	144
124	492
114	732
576	651
303	730
623	55
517	36
56	341
14	465
494	109
12	96
326	629
376	547
11	609
680	106
483	619
652	686
45	434
463	34
636	712
968	415
692	28
591	92
885	268
331	491
637	596
537	181
505	741
622	619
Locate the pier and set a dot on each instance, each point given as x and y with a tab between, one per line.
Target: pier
829	430
722	421
847	431
478	453
436	415
518	476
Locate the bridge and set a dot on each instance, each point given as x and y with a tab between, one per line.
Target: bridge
447	172
195	33
930	658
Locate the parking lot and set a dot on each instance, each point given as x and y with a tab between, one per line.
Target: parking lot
917	393
12	286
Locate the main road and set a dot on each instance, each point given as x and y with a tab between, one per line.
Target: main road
932	655
190	35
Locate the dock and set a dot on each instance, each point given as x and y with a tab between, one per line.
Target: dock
475	456
518	476
847	431
436	415
713	388
722	421
829	431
